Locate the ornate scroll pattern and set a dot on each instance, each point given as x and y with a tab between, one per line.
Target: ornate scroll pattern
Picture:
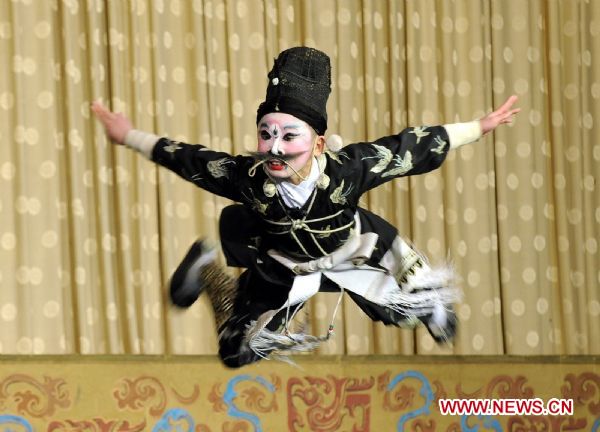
440	392
215	397
275	381
187	400
422	425
14	424
176	420
404	400
398	400
583	389
425	391
329	400
403	397
501	386
545	423
95	425
236	426
139	393
32	397
487	422
254	399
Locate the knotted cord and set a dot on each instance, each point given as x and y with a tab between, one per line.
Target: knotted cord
330	328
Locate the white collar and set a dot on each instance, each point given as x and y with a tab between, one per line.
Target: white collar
297	195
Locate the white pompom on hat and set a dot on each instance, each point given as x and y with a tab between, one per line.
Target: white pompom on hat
334	143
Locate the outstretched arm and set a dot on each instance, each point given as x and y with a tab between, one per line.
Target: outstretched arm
211	170
120	130
465	133
418	150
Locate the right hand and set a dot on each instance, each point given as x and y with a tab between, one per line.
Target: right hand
504	114
116	125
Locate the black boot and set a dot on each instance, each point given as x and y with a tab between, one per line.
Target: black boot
186	285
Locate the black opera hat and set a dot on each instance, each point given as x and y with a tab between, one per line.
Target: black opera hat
299	84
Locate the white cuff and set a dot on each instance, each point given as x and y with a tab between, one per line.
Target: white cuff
141	141
463	133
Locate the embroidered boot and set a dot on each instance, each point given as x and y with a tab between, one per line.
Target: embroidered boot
416	277
221	290
198	273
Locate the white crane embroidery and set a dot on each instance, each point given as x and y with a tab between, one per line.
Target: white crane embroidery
217	168
401	165
441	145
337	156
384	157
419	131
172	147
340	197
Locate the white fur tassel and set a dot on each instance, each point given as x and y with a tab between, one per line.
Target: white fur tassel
423	291
334	143
265	342
427	291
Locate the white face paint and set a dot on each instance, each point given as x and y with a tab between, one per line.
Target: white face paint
291	139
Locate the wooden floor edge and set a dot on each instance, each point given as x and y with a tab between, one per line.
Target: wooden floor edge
303	359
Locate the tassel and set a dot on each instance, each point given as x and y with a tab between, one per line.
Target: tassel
266	341
426	294
281	343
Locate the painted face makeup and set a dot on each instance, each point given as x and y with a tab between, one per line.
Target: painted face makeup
287	143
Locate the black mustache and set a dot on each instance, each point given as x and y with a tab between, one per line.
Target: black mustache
268	155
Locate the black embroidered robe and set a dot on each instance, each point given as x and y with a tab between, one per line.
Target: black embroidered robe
325	222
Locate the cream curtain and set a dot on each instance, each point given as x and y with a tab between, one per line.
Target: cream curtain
90	232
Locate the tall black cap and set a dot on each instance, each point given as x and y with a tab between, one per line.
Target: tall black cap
299	84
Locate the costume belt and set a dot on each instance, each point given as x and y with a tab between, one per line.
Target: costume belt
357	249
346	267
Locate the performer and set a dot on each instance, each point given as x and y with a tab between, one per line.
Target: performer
298	228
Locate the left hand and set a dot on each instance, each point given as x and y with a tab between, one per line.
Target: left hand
502	115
